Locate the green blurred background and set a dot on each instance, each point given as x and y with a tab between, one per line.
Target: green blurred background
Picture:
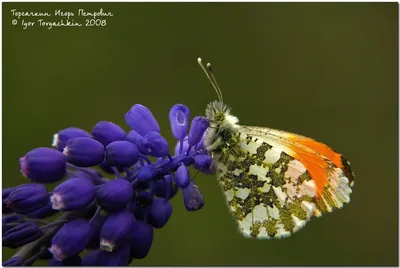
324	70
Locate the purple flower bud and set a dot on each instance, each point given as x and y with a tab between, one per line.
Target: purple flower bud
147	173
27	197
134	138
44	165
155	145
197	128
13	218
119	257
61	138
42	212
141	239
115	231
5	194
122	154
202	161
179	119
84	152
165	187
160	212
73	261
71	239
73	194
107	132
14	261
114	195
182	176
140	119
21	234
192	197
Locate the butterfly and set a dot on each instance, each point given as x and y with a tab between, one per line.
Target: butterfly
274	181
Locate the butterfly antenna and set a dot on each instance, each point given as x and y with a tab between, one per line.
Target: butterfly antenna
211	78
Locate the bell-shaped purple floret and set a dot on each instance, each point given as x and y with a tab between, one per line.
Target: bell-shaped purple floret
44	165
27	197
135	138
73	194
182	176
61	138
192	197
41	212
154	145
141	239
122	154
14	261
84	152
197	128
107	132
203	162
147	173
13	218
160	212
21	234
91	258
114	195
5	193
179	118
140	119
115	231
72	261
71	239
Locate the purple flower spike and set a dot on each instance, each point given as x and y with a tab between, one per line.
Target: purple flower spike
141	239
97	224
147	173
185	147
90	174
73	194
134	138
107	168
182	177
160	212
84	152
120	257
13	218
14	261
114	195
21	234
28	197
107	132
71	239
140	119
44	165
155	145
115	232
73	261
122	154
179	119
42	212
192	197
61	138
140	205
197	128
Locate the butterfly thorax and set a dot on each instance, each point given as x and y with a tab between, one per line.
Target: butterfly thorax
222	133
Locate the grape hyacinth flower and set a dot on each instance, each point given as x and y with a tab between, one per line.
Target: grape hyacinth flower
113	217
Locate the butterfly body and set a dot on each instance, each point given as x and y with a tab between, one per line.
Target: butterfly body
274	181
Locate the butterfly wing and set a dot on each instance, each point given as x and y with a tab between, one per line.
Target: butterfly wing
275	184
